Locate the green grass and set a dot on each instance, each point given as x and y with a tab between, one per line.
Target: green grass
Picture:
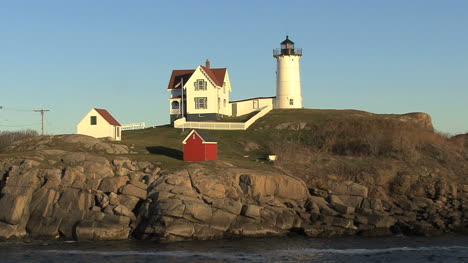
242	118
164	143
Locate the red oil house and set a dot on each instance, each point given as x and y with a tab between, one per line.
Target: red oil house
199	148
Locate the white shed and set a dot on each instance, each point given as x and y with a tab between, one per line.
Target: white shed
99	123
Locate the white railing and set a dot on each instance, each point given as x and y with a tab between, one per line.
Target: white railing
133	126
183	123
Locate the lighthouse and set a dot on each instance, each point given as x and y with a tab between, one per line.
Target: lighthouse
288	76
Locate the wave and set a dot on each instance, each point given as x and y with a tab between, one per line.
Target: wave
259	254
364	251
181	253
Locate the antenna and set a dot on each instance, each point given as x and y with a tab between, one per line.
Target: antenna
42	111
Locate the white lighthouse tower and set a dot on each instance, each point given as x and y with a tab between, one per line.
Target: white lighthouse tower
288	76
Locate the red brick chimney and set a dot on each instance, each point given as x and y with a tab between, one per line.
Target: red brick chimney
207	64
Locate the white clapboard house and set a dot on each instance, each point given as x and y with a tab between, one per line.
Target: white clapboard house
199	94
99	123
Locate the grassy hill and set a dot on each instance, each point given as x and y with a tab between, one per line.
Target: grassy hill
312	140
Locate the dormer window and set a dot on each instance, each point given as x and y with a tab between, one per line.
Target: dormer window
200	84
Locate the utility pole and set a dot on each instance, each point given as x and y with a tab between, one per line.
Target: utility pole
42	117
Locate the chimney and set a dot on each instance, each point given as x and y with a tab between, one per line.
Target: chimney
207	64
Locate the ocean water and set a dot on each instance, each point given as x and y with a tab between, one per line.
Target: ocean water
450	248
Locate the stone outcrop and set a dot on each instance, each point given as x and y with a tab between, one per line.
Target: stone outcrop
83	196
207	203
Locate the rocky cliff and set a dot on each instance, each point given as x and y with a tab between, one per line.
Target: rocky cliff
78	187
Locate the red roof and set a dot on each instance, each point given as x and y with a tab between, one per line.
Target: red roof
205	138
215	74
108	117
178	75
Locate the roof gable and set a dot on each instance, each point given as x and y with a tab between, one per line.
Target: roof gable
215	74
108	117
205	138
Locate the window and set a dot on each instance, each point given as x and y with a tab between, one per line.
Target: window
93	120
224	87
224	103
200	84
291	102
117	132
201	103
255	104
175	105
219	103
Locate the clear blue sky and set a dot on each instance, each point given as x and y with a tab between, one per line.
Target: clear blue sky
380	56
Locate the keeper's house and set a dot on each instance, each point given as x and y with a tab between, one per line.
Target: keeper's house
99	123
200	94
199	147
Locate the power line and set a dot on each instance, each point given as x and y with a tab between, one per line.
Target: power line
42	111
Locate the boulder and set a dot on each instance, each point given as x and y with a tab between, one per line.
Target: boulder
228	205
251	211
13	207
121	210
349	188
70	174
128	201
132	190
222	220
96	170
91	230
346	200
181	228
73	158
197	212
343	209
139	184
372	203
7	231
112	184
44	226
168	207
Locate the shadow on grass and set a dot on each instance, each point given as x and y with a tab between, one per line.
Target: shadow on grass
169	152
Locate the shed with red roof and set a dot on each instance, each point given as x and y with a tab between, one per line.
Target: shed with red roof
198	147
99	123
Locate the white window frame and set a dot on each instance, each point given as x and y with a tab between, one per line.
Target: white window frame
291	101
201	103
200	84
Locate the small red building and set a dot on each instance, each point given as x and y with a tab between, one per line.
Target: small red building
199	148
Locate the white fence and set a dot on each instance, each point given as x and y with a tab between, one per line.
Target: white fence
133	126
182	123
